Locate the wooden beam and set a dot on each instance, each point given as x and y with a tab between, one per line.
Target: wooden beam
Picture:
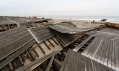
82	44
57	63
50	63
16	54
36	63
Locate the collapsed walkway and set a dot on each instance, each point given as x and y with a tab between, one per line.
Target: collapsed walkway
57	47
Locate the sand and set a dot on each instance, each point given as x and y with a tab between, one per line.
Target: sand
78	23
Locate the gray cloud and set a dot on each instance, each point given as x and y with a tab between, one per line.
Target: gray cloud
59	7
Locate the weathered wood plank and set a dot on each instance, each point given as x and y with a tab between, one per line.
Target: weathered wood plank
82	44
78	62
50	63
16	54
35	63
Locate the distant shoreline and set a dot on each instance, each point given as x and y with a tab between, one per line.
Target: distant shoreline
114	19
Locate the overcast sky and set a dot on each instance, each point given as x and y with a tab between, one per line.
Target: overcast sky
59	7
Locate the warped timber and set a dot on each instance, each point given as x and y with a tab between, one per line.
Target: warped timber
82	44
66	39
36	63
45	39
16	54
69	29
19	47
21	39
41	47
41	34
6	24
76	62
28	22
104	48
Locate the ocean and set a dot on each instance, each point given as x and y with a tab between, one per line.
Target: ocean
114	19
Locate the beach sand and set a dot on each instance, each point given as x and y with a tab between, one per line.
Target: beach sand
78	23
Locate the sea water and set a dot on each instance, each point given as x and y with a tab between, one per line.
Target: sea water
114	19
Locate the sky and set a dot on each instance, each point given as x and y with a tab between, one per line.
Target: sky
59	7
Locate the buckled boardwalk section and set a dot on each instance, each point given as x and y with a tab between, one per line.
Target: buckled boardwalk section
28	46
13	44
99	52
7	23
28	22
104	48
20	48
76	62
68	33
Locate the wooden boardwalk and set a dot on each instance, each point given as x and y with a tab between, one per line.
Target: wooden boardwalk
28	22
20	47
82	44
13	43
105	48
38	48
45	39
66	39
36	63
10	42
76	62
110	30
6	24
41	34
69	29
